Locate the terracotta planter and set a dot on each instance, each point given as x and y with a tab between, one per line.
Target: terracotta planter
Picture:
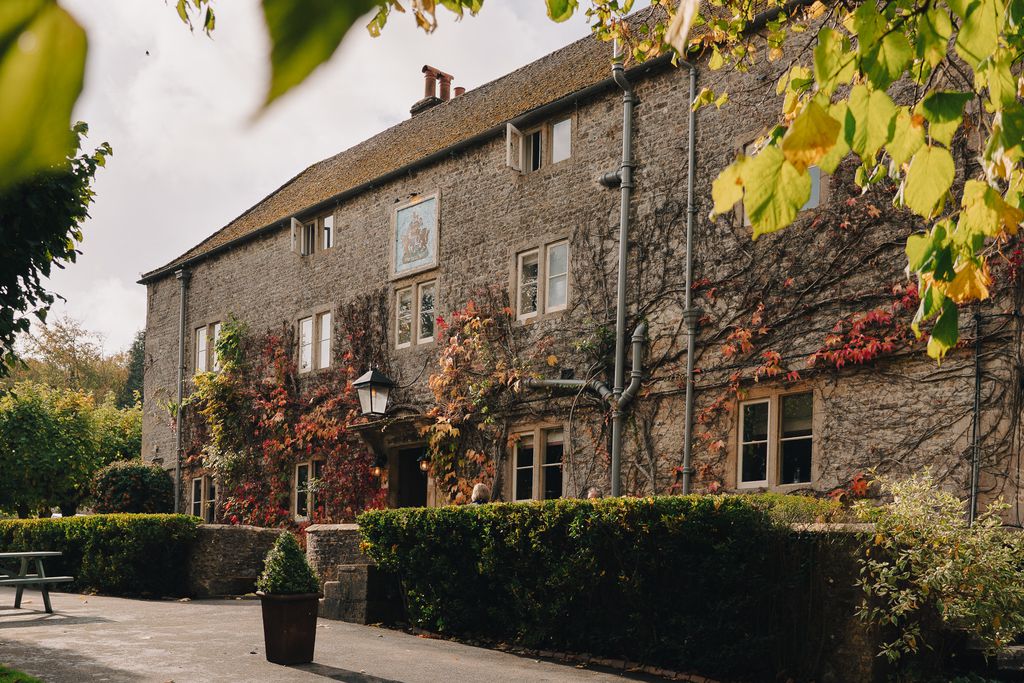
289	627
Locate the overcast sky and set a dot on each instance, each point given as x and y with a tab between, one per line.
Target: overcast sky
190	155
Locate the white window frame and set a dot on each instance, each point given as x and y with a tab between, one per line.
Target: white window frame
197	502
527	145
773	464
306	341
411	291
327	231
216	336
539	436
324	337
520	258
568	121
415	291
202	349
760	483
548	276
420	338
309	235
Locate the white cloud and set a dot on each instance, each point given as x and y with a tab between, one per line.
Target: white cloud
188	153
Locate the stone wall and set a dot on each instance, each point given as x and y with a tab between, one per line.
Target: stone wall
227	559
788	290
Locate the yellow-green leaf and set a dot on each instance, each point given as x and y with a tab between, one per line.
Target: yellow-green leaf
885	60
810	137
985	212
727	188
945	332
841	113
928	180
979	32
774	191
833	62
934	30
908	136
944	111
304	35
560	10
42	63
874	115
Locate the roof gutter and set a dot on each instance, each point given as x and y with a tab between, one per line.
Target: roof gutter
523	119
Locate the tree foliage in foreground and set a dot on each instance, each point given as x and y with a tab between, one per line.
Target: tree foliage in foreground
40	227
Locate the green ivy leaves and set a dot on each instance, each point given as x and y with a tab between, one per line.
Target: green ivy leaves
42	65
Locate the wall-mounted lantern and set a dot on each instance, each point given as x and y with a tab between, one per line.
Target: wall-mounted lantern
424	463
373	389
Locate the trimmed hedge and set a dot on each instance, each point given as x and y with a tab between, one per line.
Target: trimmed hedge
132	486
119	554
709	584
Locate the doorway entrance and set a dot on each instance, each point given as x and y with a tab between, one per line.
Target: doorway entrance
412	482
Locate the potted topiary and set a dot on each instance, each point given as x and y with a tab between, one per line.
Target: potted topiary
290	593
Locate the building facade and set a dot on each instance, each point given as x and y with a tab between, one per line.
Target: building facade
806	373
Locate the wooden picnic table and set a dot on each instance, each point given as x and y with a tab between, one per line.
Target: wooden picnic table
23	579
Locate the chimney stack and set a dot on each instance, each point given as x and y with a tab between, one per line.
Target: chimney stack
460	91
431	76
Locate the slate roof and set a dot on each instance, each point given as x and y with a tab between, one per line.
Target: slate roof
568	70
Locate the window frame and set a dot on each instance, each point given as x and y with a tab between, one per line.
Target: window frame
539	436
201	352
527	146
327	234
420	286
547	276
311	466
312	343
207	506
319	362
310	231
415	290
215	334
773	465
568	119
520	258
411	291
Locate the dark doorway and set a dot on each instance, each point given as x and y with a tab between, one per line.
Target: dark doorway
412	482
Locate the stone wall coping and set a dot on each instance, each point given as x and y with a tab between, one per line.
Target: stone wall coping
241	527
331	527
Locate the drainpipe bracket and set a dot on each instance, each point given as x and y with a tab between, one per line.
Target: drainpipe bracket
692	316
610	179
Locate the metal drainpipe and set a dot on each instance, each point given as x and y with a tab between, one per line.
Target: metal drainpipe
625	178
691	315
972	512
183	277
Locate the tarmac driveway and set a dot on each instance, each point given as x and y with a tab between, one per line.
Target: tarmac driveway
93	638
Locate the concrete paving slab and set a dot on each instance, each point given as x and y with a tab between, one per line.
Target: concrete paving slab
94	638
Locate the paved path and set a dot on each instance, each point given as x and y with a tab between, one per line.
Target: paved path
92	638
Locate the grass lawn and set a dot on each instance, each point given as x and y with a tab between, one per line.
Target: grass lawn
9	675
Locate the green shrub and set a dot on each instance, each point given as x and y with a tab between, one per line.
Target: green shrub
8	675
787	509
132	486
115	554
286	569
711	584
926	566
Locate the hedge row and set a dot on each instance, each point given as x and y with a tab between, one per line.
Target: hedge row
119	554
708	584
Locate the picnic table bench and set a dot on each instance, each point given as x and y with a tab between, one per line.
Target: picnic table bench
23	579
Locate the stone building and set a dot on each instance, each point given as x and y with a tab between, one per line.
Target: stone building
805	371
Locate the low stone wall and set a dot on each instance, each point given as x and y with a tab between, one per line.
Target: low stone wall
226	559
330	546
355	590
